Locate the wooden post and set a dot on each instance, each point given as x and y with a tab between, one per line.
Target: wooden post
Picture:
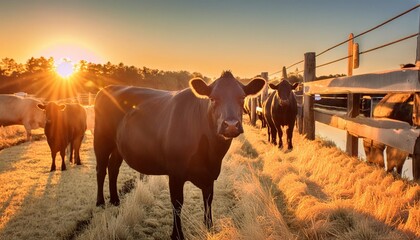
416	123
253	111
284	73
353	104
416	119
308	100
356	60
418	48
350	53
264	93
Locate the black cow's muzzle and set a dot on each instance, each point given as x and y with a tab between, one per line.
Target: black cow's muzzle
284	103
231	128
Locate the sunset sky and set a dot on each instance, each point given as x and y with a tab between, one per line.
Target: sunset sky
247	37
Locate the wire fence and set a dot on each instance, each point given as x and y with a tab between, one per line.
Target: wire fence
356	36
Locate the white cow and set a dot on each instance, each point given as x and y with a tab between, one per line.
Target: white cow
90	121
15	110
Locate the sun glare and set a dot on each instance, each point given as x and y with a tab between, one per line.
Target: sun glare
65	68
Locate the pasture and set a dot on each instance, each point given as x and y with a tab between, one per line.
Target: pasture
313	192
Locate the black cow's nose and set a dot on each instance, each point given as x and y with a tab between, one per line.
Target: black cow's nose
231	124
231	128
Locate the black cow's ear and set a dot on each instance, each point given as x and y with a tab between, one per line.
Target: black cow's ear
41	106
200	88
294	86
272	86
254	87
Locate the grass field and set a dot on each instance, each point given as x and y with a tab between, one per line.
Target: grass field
312	192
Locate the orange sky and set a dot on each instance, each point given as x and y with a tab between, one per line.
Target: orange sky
247	37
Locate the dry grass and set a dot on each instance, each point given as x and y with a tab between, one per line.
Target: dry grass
331	195
16	134
312	192
37	204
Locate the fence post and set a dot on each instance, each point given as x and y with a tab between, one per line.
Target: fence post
416	119
264	93
418	48
284	73
253	111
254	103
353	103
308	100
416	122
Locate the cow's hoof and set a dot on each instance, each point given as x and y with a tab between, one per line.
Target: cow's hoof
115	202
177	237
63	168
52	170
100	204
79	163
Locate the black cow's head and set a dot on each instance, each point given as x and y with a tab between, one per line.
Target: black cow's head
226	96
284	91
52	110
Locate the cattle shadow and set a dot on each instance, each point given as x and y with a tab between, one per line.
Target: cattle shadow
12	155
247	150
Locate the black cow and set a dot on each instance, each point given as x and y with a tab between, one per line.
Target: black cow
65	124
395	106
183	134
280	109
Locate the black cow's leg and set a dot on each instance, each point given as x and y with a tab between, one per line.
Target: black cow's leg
63	156
269	133
273	135
102	152
289	133
77	143
113	169
53	154
280	132
208	199
273	132
176	187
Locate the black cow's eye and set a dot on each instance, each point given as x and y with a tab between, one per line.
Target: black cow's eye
214	101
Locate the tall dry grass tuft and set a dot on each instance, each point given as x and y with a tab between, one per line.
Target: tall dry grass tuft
11	135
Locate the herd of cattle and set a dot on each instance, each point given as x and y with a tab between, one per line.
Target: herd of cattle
186	137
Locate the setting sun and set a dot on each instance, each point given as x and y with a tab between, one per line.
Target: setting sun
65	68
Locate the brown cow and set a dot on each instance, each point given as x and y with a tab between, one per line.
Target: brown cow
183	134
397	106
66	124
15	110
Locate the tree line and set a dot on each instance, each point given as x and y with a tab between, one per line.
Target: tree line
38	76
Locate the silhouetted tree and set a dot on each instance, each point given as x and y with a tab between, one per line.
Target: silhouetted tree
38	76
